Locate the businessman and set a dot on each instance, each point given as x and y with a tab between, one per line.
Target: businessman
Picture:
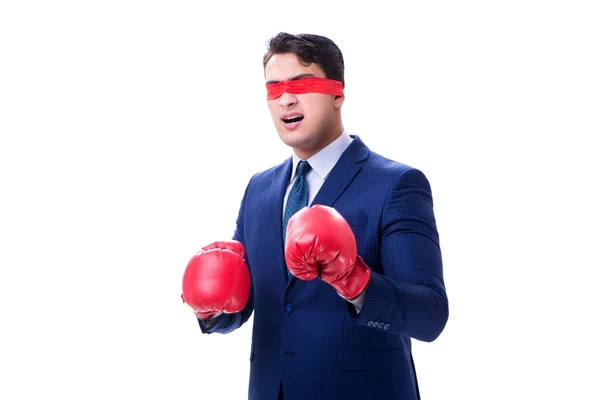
335	251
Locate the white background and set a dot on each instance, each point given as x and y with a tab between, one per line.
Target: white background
129	130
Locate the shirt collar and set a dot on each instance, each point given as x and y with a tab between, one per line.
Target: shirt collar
324	161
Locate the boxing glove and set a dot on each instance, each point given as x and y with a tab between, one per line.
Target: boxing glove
217	279
320	243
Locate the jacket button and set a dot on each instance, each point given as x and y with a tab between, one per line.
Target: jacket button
288	308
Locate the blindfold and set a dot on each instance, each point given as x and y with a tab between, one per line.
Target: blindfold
305	85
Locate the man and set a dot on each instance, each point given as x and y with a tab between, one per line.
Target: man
336	250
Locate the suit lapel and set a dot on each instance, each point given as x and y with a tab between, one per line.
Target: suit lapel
342	173
279	183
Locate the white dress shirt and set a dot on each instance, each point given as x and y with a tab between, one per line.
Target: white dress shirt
321	165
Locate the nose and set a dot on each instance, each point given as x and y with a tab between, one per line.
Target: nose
287	100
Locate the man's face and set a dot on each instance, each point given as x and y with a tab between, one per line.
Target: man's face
307	122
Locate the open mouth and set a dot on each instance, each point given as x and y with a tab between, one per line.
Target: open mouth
293	119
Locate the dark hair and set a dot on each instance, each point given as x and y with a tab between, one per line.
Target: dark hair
309	49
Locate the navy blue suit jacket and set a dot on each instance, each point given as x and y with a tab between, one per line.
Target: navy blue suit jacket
308	338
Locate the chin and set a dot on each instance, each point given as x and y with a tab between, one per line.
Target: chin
292	138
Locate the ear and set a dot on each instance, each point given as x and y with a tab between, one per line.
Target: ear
338	101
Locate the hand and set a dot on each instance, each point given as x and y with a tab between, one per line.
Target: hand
217	279
320	243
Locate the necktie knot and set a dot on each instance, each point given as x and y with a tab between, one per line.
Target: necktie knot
303	167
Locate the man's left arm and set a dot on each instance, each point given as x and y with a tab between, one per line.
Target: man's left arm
409	298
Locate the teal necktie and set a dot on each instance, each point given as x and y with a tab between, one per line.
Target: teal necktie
298	197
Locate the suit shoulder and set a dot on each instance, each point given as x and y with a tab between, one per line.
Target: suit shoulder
396	173
385	165
266	175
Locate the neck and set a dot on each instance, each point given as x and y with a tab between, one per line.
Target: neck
306	153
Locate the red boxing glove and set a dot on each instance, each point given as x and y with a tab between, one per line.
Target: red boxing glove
319	242
217	279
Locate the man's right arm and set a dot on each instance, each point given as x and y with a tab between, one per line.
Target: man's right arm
227	322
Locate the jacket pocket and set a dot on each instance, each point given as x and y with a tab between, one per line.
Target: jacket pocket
369	360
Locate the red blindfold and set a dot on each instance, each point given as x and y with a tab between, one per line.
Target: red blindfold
305	85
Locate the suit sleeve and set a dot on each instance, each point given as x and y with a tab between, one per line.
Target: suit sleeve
409	297
226	323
